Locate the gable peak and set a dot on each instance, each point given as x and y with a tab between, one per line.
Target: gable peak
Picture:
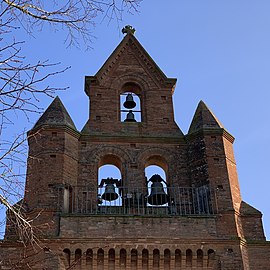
131	45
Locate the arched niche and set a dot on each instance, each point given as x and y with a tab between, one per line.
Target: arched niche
156	259
100	259
145	259
178	258
123	259
167	259
134	259
199	258
111	259
67	254
89	258
189	258
211	257
78	257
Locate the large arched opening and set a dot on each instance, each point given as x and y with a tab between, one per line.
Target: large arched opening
157	183
109	181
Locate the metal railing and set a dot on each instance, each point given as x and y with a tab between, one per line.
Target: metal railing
175	201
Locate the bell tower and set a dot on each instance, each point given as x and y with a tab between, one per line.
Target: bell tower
130	72
190	217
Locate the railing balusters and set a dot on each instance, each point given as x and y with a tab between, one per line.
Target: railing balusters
181	201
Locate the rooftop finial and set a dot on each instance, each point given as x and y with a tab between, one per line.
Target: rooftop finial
128	29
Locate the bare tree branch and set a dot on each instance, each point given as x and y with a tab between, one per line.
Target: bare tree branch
75	17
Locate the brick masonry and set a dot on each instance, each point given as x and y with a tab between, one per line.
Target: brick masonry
62	158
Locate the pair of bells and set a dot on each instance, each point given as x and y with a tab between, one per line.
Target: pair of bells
130	104
156	197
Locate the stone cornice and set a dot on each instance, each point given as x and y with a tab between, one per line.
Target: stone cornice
132	139
64	128
211	131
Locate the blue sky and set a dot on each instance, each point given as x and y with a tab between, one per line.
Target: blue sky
219	51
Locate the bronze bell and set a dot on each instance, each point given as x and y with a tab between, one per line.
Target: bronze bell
109	194
157	195
130	117
129	103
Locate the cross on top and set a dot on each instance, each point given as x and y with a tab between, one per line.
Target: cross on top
128	29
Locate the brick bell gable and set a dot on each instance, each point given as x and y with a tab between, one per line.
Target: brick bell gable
192	217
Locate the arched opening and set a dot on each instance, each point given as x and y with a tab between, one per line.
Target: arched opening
211	258
156	259
157	186
78	258
123	259
109	181
167	259
145	259
66	252
89	258
130	103
100	259
111	259
189	258
199	258
134	258
178	258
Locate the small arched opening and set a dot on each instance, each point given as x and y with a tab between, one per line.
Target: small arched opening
134	259
100	259
189	258
211	258
145	259
66	252
199	258
178	258
130	103
123	259
156	259
111	259
167	259
78	258
89	258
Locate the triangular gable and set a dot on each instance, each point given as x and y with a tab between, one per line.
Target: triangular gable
145	60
